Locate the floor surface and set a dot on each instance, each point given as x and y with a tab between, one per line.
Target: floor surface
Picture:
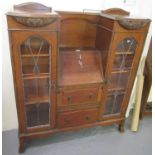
92	141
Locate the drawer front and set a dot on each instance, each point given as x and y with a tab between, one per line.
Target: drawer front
80	96
70	119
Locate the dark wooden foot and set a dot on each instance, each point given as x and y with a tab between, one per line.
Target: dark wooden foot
141	116
21	145
121	127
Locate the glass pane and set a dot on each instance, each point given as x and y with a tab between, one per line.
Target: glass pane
35	45
119	81
36	90
37	114
113	104
127	45
35	56
118	62
124	54
122	65
41	66
36	75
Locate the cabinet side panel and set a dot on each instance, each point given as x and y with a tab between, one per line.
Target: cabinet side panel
17	82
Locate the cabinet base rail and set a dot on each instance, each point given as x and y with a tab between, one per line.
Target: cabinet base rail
25	137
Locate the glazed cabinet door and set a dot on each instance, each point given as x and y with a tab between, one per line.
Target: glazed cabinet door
123	62
34	59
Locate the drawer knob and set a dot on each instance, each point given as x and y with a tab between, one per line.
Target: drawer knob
67	121
90	96
88	118
69	99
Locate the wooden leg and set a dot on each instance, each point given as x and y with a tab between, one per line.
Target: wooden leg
141	115
121	126
21	145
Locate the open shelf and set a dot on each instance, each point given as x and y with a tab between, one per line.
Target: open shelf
80	67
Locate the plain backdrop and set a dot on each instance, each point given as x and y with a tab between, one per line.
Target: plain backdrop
9	115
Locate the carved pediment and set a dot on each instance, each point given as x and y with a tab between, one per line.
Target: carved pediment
133	24
35	21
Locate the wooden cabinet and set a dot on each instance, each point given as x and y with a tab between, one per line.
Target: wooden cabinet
72	70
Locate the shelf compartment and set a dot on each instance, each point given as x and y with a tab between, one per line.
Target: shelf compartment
37	114
80	67
39	99
128	44
35	89
32	65
122	62
35	45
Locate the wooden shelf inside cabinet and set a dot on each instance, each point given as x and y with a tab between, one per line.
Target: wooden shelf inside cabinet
124	53
83	67
119	91
115	88
36	100
115	71
35	76
35	55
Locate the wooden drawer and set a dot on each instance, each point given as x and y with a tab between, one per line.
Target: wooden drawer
70	119
80	96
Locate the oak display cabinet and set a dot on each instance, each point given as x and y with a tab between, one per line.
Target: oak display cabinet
72	70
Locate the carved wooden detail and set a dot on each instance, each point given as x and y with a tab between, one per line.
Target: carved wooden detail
133	24
116	11
32	7
35	22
